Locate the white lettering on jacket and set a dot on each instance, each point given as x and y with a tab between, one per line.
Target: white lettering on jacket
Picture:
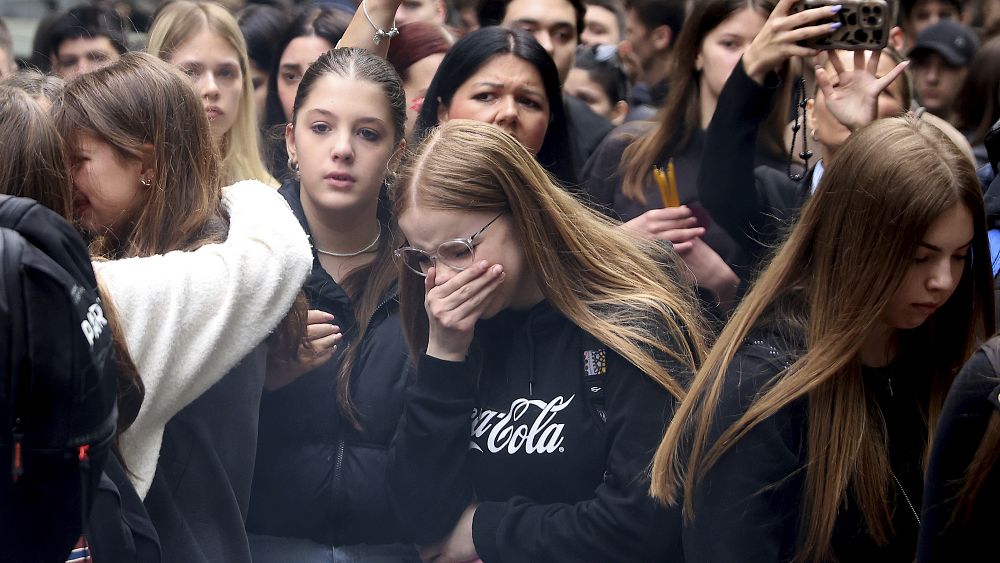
514	430
94	324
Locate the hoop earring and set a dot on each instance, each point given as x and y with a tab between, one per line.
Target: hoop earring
146	182
293	165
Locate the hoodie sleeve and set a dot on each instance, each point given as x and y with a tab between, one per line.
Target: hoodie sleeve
754	492
621	522
189	317
730	192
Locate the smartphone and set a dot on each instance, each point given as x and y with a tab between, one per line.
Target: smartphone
864	24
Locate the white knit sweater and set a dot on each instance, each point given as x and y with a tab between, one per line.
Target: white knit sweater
190	317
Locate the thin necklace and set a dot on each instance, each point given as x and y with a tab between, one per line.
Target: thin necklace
350	254
907	497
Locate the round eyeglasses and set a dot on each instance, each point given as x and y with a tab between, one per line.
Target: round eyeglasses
457	254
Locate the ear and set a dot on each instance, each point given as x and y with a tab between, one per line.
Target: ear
290	141
441	13
619	112
662	37
697	62
897	39
442	112
146	159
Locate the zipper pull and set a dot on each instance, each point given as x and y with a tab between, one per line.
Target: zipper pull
83	454
17	468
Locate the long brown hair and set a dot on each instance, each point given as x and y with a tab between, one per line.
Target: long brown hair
845	259
680	115
982	464
366	285
142	100
32	158
612	284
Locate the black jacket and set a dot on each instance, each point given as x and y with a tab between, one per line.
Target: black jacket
748	505
586	131
120	529
317	476
756	205
971	404
199	495
555	481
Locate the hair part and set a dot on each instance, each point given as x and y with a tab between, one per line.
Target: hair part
88	22
832	280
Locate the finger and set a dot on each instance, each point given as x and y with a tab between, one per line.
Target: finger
466	282
823	81
892	75
802	33
669	213
873	60
782	7
455	299
859	60
683	247
321	330
680	235
327	342
836	62
660	226
429	280
315	316
807	17
470	309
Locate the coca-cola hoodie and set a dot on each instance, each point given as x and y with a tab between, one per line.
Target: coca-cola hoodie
517	429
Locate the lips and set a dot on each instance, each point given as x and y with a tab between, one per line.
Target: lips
929	307
80	203
340	180
213	112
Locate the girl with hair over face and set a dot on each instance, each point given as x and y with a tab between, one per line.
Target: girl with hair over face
147	182
327	421
804	434
504	77
567	340
619	176
204	41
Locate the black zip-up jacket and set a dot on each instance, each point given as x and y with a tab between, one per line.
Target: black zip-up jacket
317	476
554	480
747	507
973	401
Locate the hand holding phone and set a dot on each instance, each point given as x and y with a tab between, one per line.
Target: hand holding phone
863	24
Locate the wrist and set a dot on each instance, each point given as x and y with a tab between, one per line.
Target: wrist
435	349
753	68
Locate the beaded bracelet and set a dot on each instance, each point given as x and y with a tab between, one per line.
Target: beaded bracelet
379	33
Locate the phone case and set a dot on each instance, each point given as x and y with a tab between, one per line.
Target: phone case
865	24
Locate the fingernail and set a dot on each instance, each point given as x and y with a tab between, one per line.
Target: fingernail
496	269
835	9
835	25
335	327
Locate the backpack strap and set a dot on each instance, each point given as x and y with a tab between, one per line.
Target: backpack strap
595	369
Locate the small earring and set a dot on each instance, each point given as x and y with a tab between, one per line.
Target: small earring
293	165
389	180
146	182
812	133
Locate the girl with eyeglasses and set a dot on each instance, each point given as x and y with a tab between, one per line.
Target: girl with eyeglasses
566	340
326	421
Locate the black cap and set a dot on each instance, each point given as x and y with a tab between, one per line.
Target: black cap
950	39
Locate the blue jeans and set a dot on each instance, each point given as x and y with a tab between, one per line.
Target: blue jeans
271	549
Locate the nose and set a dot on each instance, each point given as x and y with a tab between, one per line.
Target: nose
506	116
545	40
343	148
942	278
443	272
209	87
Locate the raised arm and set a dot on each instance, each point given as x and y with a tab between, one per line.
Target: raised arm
363	31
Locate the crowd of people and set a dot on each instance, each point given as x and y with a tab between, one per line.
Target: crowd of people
525	280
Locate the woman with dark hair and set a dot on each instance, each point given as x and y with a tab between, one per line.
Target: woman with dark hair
598	80
314	31
416	55
260	24
326	421
504	77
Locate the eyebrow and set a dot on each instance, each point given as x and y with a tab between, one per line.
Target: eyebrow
930	246
328	113
532	21
525	89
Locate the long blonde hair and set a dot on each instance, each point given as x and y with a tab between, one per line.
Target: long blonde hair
844	260
175	25
612	284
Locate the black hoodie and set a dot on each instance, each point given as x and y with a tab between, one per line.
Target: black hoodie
554	480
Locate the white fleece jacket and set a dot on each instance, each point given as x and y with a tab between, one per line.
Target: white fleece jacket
190	317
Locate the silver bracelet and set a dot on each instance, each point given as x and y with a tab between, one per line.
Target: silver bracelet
379	33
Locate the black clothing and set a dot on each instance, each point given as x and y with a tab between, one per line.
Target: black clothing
756	206
586	131
555	481
119	526
199	495
603	181
645	100
971	403
319	477
751	500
